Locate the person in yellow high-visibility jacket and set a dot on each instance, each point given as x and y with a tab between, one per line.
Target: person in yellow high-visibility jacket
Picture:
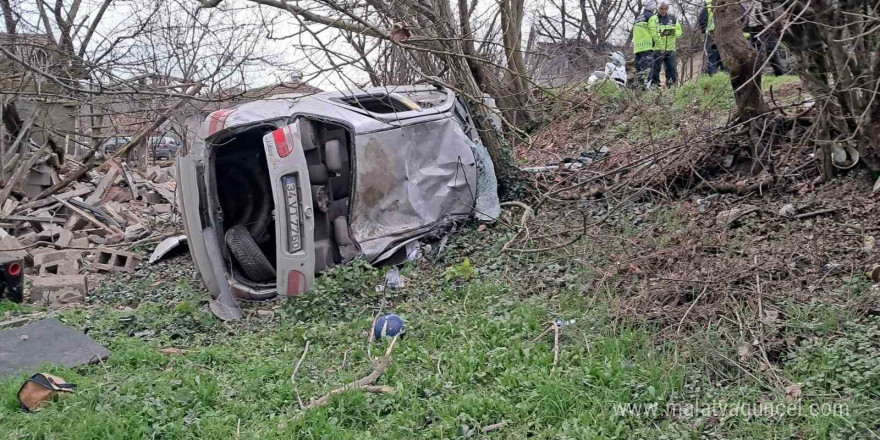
667	30
643	43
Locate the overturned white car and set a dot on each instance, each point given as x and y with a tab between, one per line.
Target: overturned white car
275	191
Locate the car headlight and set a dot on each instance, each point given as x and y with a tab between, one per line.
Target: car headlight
294	220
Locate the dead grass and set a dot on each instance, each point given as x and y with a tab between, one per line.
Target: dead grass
684	237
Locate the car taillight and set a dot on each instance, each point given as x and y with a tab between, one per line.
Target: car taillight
11	279
284	149
296	283
294	222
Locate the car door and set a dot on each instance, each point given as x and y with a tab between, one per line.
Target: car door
294	222
192	202
407	180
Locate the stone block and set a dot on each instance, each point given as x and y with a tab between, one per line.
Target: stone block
162	208
113	239
63	267
44	258
136	232
51	288
111	260
96	239
64	238
28	238
80	242
9	245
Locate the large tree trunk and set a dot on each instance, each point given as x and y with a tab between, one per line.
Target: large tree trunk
871	128
467	44
515	79
8	16
743	62
834	48
466	82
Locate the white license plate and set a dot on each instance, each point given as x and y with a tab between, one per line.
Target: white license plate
294	234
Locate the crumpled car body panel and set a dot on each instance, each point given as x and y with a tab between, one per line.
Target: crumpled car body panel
412	170
407	180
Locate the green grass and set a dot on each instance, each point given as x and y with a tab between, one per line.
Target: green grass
661	112
8	307
714	93
468	361
774	81
707	92
609	91
462	364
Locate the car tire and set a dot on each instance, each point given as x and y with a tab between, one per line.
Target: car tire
248	255
255	208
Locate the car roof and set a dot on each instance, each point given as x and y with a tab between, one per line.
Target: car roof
328	105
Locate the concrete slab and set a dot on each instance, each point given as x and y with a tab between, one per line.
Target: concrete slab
47	342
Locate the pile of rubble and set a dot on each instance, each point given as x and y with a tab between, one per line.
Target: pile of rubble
87	227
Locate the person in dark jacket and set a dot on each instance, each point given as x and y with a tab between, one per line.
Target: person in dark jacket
706	21
763	36
769	44
707	26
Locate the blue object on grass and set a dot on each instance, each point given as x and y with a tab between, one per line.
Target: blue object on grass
389	325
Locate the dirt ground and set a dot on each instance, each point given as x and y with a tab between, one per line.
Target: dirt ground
688	247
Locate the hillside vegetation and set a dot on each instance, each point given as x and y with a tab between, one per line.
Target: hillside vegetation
689	311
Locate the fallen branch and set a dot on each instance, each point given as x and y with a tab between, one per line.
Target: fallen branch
742	189
131	186
581	233
296	370
548	248
555	344
105	182
10	164
544	333
681	323
527	212
743	214
47	202
378	389
151	239
807	215
31	218
859	228
365	383
656	157
301	358
494	426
